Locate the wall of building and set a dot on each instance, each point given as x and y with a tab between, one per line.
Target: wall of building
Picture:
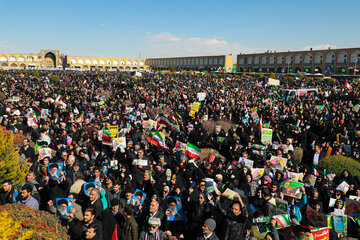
337	61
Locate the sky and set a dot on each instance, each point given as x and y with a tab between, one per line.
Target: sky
176	28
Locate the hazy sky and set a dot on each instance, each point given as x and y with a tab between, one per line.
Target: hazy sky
176	28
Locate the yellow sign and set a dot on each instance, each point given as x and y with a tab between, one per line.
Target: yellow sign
196	106
192	113
114	130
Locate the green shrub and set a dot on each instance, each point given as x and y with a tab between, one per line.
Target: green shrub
25	71
44	224
35	74
55	78
337	164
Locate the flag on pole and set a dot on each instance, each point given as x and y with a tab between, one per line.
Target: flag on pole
163	120
316	173
283	220
229	79
35	119
157	140
192	151
58	98
347	86
84	82
106	136
115	234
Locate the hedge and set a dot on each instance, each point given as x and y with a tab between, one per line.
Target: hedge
43	224
55	78
337	164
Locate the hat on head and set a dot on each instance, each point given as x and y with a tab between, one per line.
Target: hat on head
211	224
267	178
62	201
154	221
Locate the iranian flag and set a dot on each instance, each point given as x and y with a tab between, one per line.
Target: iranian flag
283	220
229	79
157	140
347	86
84	82
79	119
297	78
35	119
163	120
106	137
58	99
192	151
316	173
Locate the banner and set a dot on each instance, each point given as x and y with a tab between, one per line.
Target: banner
301	232
274	82
114	130
201	96
352	208
296	176
282	206
292	189
119	143
316	218
257	173
246	162
180	146
338	224
278	162
266	135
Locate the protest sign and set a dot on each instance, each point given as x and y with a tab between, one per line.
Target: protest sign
281	206
344	187
352	208
44	152
310	180
201	96
119	143
292	189
255	116
180	146
266	135
174	210
44	113
263	223
278	162
228	193
192	113
137	198
54	170
257	173
246	162
114	130
196	106
296	176
314	234
338	224
316	218
63	206
89	186
141	162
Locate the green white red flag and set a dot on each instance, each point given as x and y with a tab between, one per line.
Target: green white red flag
192	151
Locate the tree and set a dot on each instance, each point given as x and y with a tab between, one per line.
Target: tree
9	227
243	75
10	168
172	69
272	75
179	69
25	71
261	75
35	74
301	76
55	78
337	164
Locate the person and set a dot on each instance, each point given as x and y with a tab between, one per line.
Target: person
78	228
129	228
27	150
208	230
92	232
235	221
273	235
26	197
269	208
153	232
96	202
8	193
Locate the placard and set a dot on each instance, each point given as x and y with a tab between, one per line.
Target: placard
292	189
266	135
282	206
246	162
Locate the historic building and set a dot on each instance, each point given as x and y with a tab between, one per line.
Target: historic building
223	62
332	61
53	59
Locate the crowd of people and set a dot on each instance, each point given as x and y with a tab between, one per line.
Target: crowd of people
152	188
